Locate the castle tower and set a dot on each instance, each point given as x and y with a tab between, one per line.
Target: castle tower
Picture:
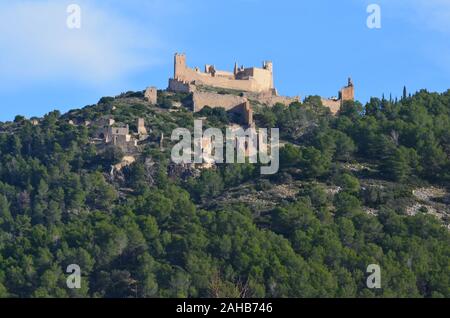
151	94
236	69
268	65
347	93
141	127
179	65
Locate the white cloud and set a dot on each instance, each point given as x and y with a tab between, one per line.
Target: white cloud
36	44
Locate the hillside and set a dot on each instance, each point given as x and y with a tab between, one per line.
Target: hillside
368	186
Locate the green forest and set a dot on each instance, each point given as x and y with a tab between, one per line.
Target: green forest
152	230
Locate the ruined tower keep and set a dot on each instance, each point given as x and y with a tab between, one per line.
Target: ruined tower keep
151	94
141	127
347	93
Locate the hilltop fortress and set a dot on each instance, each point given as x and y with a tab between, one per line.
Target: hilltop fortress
250	79
238	91
235	89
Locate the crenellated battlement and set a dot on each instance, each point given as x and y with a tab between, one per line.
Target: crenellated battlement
251	79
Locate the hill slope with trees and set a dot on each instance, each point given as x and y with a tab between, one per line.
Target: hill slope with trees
350	192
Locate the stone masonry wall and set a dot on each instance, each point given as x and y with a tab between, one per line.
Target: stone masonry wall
347	93
333	105
177	86
202	99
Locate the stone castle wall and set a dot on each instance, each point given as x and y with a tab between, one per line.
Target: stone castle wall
251	79
333	104
228	102
202	99
181	87
271	98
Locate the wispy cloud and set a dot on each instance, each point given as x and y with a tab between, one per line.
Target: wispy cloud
36	44
435	14
429	14
431	17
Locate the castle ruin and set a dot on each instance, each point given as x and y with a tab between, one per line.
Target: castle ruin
250	79
253	83
347	93
239	87
151	95
119	135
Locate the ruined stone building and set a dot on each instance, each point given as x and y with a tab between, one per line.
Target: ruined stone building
119	134
347	93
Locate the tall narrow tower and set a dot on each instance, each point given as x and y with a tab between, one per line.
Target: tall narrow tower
141	127
179	65
268	65
347	92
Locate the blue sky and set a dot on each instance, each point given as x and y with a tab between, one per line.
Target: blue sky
128	45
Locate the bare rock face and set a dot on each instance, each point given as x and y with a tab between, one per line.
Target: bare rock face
151	170
183	171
